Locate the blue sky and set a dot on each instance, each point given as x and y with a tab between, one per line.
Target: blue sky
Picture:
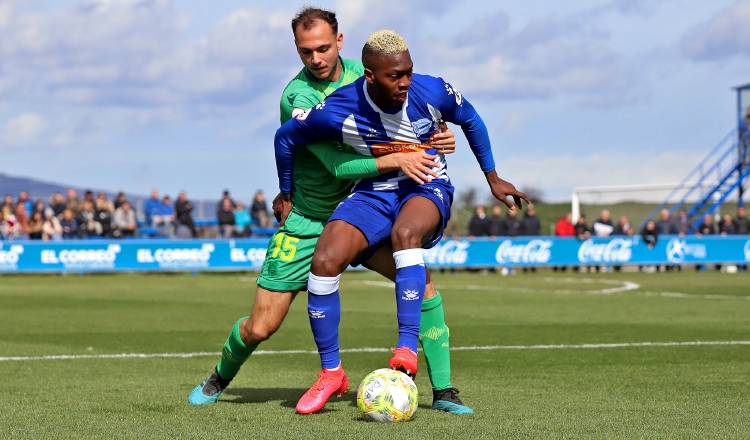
135	94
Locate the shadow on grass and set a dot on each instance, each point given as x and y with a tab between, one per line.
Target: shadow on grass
287	396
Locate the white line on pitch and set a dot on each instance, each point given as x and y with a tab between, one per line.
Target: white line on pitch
371	350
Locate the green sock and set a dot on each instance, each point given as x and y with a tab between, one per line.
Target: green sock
434	336
234	353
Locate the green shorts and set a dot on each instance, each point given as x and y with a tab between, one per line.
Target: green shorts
289	255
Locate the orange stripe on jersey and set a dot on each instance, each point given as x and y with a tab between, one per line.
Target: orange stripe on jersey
397	147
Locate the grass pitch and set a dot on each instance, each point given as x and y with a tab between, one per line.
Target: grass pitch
525	391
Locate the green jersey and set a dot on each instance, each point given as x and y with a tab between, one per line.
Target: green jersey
315	191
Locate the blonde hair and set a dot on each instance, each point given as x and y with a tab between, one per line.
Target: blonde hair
385	42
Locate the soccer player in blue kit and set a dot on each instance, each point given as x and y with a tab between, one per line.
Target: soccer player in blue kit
388	111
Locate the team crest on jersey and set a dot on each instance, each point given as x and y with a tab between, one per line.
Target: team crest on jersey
422	126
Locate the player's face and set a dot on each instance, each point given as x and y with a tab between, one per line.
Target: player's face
390	77
318	48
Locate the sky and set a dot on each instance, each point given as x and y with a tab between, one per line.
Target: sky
139	94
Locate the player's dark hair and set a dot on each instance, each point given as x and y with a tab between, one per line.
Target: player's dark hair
307	15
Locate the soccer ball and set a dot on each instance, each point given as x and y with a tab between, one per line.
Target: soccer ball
387	396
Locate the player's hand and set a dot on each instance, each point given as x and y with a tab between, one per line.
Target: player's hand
444	141
502	190
282	206
417	166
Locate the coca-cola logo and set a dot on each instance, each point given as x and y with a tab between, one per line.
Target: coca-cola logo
617	250
447	252
535	251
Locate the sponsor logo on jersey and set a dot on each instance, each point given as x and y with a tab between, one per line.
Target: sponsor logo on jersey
439	194
535	251
381	149
410	295
302	116
617	250
678	249
82	258
447	252
452	91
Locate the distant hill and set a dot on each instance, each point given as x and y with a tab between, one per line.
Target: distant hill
36	188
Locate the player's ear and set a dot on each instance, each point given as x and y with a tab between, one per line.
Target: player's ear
369	76
340	41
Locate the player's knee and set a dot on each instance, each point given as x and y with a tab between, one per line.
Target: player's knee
406	236
260	332
327	265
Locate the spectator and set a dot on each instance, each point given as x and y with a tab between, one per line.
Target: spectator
88	226
603	226
742	223
104	204
21	219
242	220
727	226
9	226
259	210
34	226
665	225
3	226
8	208
531	223
564	227
124	221
88	196
23	197
226	218
707	227
682	224
478	223
51	229
73	202
496	224
582	231
167	215
183	209
220	205
119	200
40	206
513	224
650	234
57	203
105	209
152	209
623	227
69	225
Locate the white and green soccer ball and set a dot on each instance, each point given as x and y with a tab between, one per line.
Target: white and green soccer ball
387	395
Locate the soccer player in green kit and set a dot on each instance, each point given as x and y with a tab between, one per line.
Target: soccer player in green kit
323	176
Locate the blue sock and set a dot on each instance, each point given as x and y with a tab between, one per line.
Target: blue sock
324	309
410	281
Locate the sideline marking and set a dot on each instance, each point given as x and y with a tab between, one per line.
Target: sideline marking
373	350
621	286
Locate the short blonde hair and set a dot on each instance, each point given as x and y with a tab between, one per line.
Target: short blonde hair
385	42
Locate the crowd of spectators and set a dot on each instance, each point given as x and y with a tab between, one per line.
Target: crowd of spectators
510	225
665	225
70	217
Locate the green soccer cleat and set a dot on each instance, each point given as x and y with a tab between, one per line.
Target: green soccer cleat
447	400
209	391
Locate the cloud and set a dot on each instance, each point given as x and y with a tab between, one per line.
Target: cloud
724	35
24	129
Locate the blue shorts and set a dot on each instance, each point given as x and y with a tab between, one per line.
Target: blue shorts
374	212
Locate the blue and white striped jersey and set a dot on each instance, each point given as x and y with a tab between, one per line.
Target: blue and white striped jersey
348	115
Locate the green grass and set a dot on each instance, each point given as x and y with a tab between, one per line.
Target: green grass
634	392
